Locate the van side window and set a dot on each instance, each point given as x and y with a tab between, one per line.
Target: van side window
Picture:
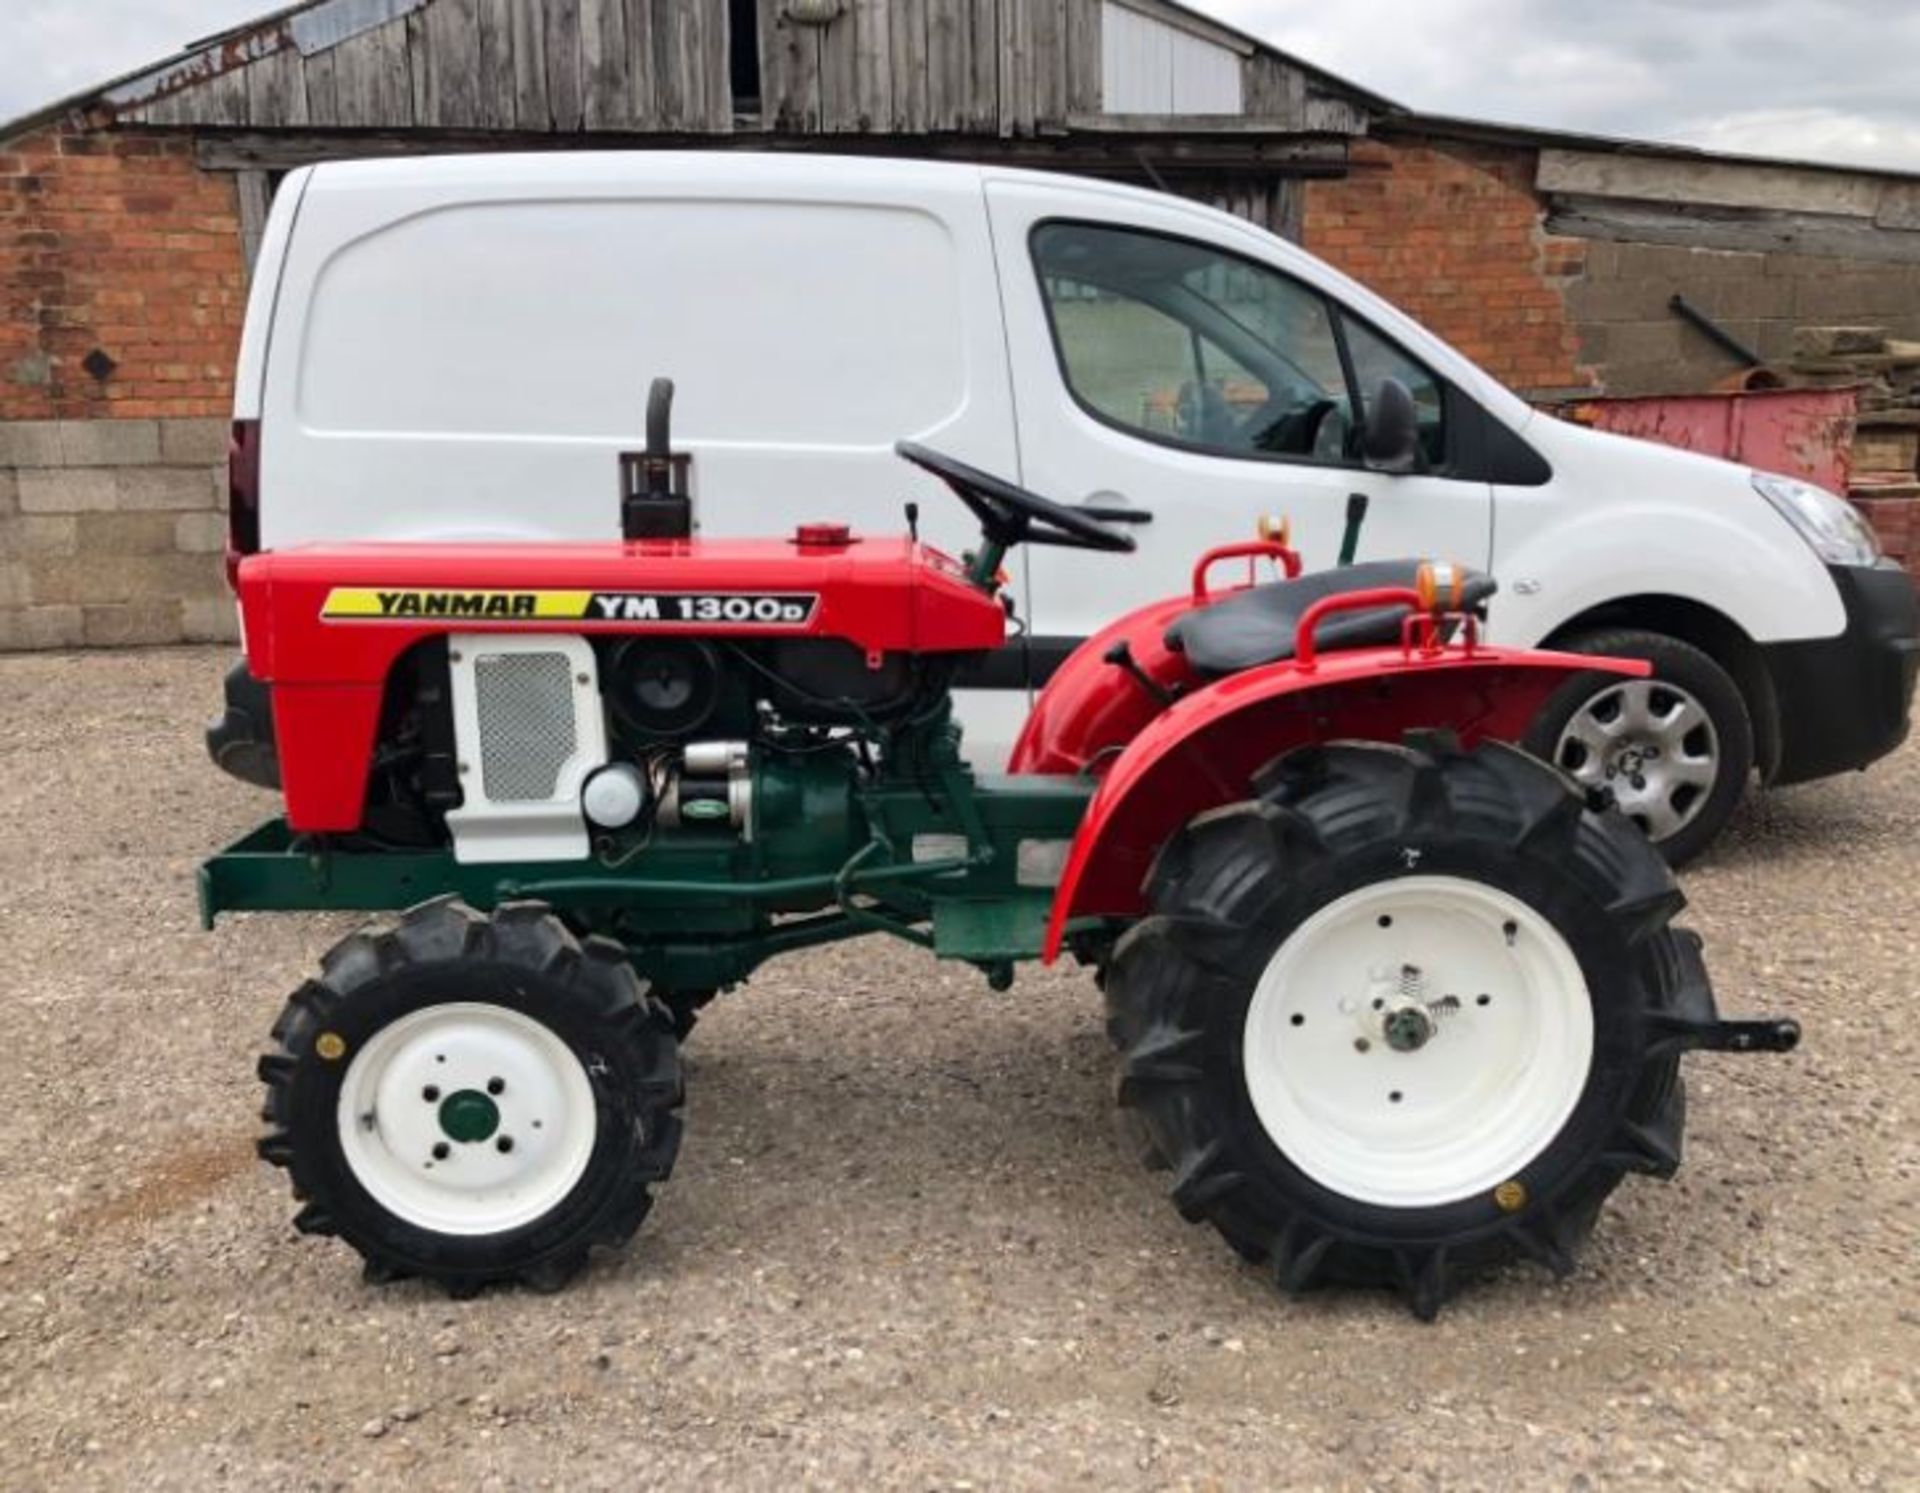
1374	359
1187	344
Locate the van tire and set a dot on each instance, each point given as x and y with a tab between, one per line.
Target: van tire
1684	670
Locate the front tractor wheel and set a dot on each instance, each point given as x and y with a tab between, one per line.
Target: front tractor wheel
1400	1017
473	1099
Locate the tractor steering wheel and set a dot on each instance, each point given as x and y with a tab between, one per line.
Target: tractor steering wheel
1011	515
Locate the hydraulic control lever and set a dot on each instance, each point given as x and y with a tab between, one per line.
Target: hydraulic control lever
1121	657
1356	516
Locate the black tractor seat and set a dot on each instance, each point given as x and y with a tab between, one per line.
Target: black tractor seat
1257	626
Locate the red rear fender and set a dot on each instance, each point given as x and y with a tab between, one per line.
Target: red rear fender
1090	707
1202	752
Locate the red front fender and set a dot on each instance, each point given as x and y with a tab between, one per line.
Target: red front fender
1202	751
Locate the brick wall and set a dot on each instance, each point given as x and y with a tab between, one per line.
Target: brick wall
122	290
112	532
122	281
1451	233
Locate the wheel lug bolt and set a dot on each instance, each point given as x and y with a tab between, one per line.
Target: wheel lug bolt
441	1150
430	1094
1639	781
504	1144
496	1085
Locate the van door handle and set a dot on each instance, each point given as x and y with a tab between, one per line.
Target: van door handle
1112	508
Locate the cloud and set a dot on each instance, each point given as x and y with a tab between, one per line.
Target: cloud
1815	79
1818	134
54	48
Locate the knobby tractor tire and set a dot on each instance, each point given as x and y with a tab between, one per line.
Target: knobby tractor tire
685	1007
521	959
1228	891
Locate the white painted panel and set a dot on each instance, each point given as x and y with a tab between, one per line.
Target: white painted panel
1136	62
498	729
784	322
1206	78
1149	67
812	310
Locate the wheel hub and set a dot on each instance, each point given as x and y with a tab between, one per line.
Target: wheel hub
469	1116
1652	744
1382	1086
1408	1029
1631	760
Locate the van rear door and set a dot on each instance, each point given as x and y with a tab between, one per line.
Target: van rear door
462	346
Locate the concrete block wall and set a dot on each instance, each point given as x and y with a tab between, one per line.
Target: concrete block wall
112	533
1634	344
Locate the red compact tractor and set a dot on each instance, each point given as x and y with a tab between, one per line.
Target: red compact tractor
1394	1001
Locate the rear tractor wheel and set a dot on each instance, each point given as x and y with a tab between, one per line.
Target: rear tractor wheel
473	1099
1406	1015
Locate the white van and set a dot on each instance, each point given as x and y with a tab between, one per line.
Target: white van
459	347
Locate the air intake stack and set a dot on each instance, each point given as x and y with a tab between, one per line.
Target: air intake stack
654	502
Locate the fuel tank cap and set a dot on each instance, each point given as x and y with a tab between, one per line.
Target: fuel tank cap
823	536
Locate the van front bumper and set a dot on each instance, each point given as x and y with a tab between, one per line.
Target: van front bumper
1845	701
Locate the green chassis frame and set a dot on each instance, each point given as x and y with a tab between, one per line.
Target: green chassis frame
937	861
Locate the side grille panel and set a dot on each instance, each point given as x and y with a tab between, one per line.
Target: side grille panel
527	733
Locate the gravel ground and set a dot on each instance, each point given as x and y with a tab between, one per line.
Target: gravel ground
904	1245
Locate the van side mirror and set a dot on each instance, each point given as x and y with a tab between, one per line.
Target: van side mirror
1390	439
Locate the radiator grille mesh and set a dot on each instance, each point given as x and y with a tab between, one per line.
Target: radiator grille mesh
525	705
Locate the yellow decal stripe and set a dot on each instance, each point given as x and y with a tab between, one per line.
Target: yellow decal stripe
362	602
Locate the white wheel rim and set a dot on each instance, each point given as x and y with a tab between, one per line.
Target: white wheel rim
1482	1095
437	1067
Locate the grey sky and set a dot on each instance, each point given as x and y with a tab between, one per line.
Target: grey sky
1818	79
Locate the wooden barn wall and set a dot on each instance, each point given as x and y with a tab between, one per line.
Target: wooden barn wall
918	66
560	66
901	67
1276	203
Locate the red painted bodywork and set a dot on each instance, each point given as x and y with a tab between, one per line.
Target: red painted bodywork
1089	708
1158	767
328	674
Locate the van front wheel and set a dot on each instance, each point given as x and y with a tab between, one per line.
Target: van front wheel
1675	749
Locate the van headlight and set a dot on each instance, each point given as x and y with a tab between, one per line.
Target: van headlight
1832	525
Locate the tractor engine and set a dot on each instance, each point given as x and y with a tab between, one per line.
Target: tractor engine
534	747
560	701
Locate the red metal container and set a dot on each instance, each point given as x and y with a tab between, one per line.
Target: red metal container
1804	433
